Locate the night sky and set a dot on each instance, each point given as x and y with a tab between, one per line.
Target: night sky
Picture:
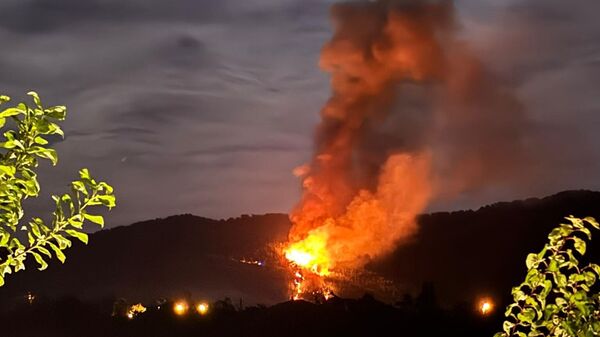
207	106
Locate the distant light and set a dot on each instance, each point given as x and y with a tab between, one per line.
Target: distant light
180	308
30	297
486	306
129	315
202	308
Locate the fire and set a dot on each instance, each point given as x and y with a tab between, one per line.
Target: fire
310	254
135	310
413	115
370	226
356	204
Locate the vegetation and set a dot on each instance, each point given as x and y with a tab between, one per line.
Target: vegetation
559	296
24	143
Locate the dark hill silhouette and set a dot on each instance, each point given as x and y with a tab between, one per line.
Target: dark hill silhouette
464	254
472	253
177	256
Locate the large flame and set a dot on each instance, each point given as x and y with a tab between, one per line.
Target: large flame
406	96
356	205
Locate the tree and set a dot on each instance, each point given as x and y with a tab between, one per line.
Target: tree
558	296
24	143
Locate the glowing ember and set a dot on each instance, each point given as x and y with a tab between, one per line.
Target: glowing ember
486	306
202	308
253	262
180	308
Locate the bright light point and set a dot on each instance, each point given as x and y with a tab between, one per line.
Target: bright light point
129	315
180	308
202	308
486	306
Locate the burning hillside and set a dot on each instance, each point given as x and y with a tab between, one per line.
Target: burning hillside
413	116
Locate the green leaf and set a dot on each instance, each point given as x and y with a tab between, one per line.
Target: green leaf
35	229
11	112
36	98
532	261
59	112
507	326
595	268
592	222
527	315
8	144
47	154
97	219
9	170
561	302
44	251
4	237
40	140
79	186
59	254
83	237
578	223
579	245
107	200
76	221
40	260
63	243
85	174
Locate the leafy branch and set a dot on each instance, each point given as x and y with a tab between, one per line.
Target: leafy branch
23	145
557	297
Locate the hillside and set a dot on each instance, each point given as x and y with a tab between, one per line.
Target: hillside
189	255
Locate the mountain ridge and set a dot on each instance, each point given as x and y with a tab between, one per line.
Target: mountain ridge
188	255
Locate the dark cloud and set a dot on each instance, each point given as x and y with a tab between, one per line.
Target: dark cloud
184	106
207	106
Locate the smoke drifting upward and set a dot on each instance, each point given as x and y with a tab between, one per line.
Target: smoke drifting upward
413	116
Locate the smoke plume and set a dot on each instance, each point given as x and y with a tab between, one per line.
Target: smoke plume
414	116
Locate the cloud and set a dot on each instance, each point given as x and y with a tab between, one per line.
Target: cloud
184	106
